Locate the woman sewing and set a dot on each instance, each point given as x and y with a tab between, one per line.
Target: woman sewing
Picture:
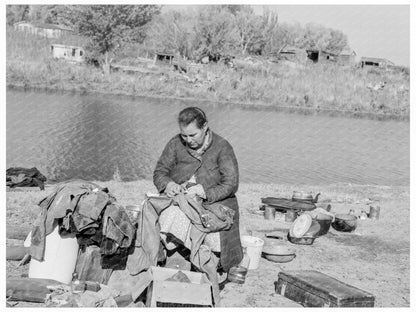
200	162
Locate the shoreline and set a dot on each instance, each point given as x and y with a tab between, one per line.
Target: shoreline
281	186
286	188
243	105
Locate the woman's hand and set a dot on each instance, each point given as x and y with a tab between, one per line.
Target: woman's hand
197	190
173	189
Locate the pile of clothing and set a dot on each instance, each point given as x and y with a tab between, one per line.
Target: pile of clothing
88	211
17	176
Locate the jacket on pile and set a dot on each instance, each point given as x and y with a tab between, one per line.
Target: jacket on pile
217	172
89	211
17	176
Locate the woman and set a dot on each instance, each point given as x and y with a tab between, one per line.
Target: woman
201	162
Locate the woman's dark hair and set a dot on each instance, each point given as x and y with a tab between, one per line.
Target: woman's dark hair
189	114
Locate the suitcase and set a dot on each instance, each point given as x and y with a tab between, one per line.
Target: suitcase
315	289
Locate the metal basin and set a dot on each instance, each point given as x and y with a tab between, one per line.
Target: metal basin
278	253
345	223
304	240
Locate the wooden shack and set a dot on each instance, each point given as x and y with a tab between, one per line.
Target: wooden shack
40	29
375	62
321	56
68	53
346	57
313	55
293	54
164	57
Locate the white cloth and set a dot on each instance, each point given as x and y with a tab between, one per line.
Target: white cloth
174	222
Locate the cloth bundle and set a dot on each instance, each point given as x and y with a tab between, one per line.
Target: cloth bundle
17	176
89	211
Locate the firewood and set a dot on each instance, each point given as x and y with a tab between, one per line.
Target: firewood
28	289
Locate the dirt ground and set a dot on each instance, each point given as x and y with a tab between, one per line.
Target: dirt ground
375	257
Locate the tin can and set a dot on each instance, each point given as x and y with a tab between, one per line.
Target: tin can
375	212
291	216
363	215
269	213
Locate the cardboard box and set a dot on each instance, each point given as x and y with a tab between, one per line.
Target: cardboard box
163	293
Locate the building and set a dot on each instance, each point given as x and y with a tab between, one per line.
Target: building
321	56
69	53
346	57
375	62
163	57
293	54
46	30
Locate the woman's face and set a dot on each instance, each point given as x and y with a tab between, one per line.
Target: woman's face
193	136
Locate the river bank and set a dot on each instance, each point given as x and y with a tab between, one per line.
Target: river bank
259	83
375	258
73	89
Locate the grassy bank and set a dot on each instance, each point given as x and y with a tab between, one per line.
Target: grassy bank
375	258
314	87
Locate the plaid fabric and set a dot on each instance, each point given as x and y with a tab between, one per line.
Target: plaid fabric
118	230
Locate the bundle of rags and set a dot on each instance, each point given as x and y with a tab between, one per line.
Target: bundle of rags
18	176
92	214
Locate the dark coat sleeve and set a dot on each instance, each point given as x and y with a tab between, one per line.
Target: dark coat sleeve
161	175
228	167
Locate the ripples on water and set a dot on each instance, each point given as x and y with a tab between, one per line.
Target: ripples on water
92	136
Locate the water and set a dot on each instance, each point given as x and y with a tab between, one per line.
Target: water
91	137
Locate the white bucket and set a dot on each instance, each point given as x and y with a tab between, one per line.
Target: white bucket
254	247
59	260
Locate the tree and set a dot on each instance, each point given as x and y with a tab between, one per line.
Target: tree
322	38
16	13
248	28
172	32
285	34
268	26
234	8
337	41
255	31
108	27
214	31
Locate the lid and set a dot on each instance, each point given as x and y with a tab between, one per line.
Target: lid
301	225
313	229
302	195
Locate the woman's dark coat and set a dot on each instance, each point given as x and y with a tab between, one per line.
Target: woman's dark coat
217	172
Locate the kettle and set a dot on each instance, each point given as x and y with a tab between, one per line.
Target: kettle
305	197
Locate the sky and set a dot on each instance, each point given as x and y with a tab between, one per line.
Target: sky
373	30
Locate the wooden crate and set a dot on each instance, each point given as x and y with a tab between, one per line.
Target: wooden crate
315	289
163	293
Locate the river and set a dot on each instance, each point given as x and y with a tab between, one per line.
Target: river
68	135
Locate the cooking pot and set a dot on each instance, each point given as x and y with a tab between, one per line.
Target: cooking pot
305	197
344	222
